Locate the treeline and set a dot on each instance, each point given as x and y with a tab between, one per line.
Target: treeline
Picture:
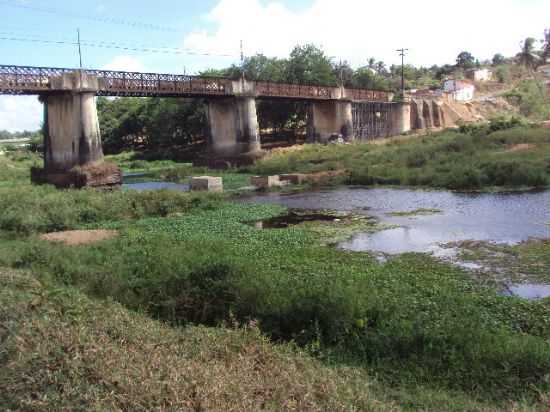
26	134
153	123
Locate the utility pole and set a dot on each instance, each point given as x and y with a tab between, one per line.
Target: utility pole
242	60
402	53
341	74
79	48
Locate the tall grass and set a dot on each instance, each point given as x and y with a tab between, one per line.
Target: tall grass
28	209
481	158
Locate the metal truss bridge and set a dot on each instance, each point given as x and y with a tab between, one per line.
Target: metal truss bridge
26	80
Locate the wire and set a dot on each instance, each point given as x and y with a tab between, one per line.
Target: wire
113	45
133	24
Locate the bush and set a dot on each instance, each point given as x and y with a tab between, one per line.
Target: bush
29	209
461	178
514	173
416	159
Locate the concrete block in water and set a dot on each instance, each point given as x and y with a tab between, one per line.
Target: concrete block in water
293	178
265	182
207	184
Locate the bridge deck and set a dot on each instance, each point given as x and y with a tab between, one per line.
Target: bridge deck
36	80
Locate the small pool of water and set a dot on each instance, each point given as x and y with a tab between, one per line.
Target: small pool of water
294	218
530	290
141	186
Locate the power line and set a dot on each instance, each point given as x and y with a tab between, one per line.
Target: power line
109	20
113	45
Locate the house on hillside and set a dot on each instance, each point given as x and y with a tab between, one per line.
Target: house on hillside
479	75
460	90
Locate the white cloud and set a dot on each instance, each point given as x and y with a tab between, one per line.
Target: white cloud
18	113
125	63
435	31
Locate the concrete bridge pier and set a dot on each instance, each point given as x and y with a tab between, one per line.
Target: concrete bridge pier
73	155
401	119
329	118
233	124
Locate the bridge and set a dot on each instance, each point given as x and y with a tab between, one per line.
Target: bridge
73	155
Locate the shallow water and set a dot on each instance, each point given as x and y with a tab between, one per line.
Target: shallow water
156	186
496	217
530	290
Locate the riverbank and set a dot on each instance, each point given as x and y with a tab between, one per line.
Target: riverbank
474	159
189	285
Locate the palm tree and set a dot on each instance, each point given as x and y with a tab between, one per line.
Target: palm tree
546	47
371	63
527	57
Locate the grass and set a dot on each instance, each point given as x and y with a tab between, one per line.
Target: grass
63	351
413	322
191	308
28	209
479	159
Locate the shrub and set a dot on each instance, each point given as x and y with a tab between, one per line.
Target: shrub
28	209
514	173
461	178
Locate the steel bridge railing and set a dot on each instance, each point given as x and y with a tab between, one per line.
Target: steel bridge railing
36	80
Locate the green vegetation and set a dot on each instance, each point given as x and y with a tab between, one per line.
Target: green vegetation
529	261
532	98
411	321
5	135
192	307
479	157
416	212
64	351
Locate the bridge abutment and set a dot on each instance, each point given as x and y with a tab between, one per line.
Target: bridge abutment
233	124
329	118
73	155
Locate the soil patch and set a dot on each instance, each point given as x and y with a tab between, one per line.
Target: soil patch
521	147
79	237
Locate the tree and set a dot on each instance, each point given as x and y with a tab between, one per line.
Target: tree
546	47
381	68
344	73
371	63
364	77
310	65
465	60
527	56
498	59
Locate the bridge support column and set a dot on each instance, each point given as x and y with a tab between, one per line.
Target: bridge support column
401	118
233	124
329	118
73	155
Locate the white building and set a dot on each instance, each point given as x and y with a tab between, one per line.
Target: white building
460	90
479	75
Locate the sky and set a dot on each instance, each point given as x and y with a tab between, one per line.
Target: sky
207	34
